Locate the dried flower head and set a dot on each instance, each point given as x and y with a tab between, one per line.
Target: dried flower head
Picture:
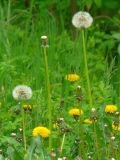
82	20
76	112
22	92
110	109
72	77
41	131
44	40
13	134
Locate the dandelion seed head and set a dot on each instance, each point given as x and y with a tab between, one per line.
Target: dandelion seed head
82	20
22	92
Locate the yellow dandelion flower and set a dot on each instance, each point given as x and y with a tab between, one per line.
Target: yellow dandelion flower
76	112
72	77
110	108
116	127
41	131
89	121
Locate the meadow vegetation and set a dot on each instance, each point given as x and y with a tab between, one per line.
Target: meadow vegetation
59	83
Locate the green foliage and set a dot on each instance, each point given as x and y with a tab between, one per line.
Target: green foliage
22	23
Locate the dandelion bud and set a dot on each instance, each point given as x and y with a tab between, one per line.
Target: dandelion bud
44	41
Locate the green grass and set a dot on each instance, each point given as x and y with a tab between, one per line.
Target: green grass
22	62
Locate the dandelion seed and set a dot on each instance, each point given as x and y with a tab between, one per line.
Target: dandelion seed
82	20
41	131
110	109
22	92
72	77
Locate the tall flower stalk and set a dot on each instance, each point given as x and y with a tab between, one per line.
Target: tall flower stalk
22	93
45	45
86	70
24	128
83	20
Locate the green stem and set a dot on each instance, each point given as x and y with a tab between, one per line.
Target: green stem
62	144
24	126
86	70
48	96
81	132
98	155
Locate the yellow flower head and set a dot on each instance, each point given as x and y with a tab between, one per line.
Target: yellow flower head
116	127
89	121
27	107
41	131
76	112
110	108
72	77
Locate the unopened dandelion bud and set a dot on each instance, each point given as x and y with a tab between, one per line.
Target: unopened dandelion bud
44	41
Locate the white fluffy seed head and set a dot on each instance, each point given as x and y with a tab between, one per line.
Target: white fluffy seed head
82	20
22	92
